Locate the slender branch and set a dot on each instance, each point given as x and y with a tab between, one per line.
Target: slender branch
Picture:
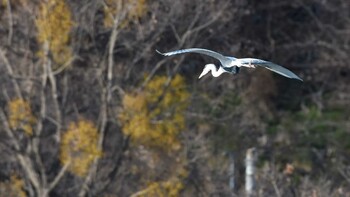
275	187
52	79
112	174
143	192
10	34
112	42
27	166
65	65
11	73
8	131
346	177
191	29
55	102
58	177
153	72
39	126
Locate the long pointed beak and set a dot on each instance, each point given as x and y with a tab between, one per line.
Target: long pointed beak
200	76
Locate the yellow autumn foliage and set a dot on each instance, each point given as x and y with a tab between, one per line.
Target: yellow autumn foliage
154	117
14	2
13	187
169	188
21	116
135	9
54	24
79	147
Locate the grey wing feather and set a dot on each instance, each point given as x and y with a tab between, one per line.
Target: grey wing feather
271	66
210	53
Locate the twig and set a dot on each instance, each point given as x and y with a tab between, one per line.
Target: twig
59	176
52	79
11	73
10	34
278	193
347	178
64	66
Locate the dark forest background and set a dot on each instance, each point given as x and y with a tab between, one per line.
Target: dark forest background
88	108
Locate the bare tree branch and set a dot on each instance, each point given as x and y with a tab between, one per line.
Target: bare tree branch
11	73
58	177
9	11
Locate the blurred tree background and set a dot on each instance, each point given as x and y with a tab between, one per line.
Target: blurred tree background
88	108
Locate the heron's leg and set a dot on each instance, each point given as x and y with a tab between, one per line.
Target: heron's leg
251	65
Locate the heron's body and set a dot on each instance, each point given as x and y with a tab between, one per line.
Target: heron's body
232	64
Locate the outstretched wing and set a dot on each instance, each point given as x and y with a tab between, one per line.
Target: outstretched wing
223	60
271	66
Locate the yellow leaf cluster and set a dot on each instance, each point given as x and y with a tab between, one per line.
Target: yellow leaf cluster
54	24
136	9
14	187
154	117
14	2
164	189
79	147
21	116
169	188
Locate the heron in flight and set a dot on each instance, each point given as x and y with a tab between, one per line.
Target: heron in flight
232	64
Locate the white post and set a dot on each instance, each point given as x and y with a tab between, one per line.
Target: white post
249	171
231	172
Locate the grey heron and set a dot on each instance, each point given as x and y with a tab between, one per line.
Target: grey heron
232	64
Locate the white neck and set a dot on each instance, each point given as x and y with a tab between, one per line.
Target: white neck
218	72
212	68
